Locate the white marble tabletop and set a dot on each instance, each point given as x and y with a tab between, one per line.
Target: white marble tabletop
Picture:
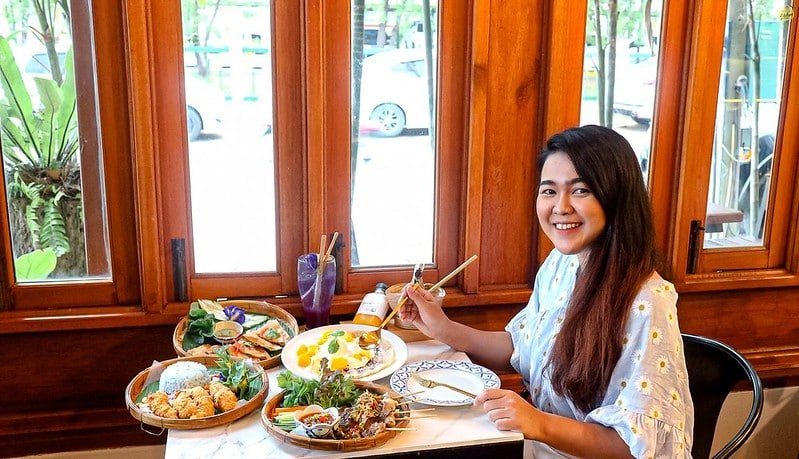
451	427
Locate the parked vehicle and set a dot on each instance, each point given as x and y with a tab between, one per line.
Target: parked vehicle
634	94
394	91
204	102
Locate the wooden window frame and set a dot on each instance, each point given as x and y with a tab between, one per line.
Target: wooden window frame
774	263
288	128
329	76
115	170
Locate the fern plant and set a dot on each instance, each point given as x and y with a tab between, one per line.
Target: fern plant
40	144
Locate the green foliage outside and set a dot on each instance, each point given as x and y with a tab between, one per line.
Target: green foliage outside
36	265
40	144
40	140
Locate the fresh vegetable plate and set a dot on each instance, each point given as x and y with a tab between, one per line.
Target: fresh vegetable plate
193	336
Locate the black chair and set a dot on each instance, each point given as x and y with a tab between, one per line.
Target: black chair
714	368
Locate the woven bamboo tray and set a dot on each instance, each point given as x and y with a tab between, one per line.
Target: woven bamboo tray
331	445
137	385
259	307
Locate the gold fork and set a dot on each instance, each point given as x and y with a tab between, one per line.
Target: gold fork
429	384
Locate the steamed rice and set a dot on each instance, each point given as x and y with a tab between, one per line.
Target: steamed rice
183	375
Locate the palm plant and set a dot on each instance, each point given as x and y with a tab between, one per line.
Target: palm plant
40	143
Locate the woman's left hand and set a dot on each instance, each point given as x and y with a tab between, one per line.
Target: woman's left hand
509	411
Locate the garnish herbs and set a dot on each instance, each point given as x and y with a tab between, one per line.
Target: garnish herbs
200	327
333	390
239	377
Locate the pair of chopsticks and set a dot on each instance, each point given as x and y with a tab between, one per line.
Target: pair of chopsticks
438	284
325	254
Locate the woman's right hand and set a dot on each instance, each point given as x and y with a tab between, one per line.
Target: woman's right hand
422	310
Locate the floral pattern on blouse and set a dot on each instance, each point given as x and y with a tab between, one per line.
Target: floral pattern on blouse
647	401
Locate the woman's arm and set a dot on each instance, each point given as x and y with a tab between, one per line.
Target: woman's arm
489	348
508	411
492	349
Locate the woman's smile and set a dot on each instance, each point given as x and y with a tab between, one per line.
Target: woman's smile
569	212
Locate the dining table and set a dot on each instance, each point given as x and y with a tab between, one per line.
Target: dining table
454	431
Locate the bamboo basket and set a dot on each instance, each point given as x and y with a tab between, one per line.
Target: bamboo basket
355	444
260	307
137	385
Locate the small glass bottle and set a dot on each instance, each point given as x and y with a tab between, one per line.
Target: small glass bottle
373	307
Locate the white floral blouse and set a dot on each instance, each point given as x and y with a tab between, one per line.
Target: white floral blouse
647	401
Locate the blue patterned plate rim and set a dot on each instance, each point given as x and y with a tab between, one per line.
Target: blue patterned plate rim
399	380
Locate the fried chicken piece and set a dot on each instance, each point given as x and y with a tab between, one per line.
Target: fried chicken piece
224	398
194	403
158	402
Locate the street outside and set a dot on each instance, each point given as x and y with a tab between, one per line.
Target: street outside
233	200
233	196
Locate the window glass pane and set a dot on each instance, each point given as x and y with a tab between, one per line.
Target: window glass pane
619	89
228	69
393	140
747	116
51	151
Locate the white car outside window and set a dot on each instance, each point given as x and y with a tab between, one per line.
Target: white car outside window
394	91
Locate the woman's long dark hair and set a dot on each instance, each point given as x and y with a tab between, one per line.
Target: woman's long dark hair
589	344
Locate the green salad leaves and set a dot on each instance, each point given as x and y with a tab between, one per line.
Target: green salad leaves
334	389
239	377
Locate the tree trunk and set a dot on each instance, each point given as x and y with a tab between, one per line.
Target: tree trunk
47	35
600	57
610	75
648	25
754	160
428	53
358	9
381	31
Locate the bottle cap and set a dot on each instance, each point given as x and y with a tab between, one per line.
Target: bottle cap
381	287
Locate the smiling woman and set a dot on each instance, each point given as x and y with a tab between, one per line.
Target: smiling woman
569	213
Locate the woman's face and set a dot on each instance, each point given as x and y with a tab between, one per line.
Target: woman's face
568	211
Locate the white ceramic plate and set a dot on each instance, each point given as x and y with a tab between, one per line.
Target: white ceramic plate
289	354
464	375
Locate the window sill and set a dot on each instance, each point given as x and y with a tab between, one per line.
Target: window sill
132	316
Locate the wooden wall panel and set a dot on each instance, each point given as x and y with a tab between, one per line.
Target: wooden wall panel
69	386
513	96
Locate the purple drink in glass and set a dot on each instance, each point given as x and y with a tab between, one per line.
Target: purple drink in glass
316	289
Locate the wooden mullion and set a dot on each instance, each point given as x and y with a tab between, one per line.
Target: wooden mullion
289	133
145	136
474	167
562	97
94	222
664	160
699	124
451	137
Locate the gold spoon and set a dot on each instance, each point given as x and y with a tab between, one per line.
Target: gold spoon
371	339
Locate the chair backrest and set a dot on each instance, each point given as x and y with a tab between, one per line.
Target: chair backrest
714	368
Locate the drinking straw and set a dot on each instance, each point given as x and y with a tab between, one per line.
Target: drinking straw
320	269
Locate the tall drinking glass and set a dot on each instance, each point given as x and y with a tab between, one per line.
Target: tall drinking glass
316	288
